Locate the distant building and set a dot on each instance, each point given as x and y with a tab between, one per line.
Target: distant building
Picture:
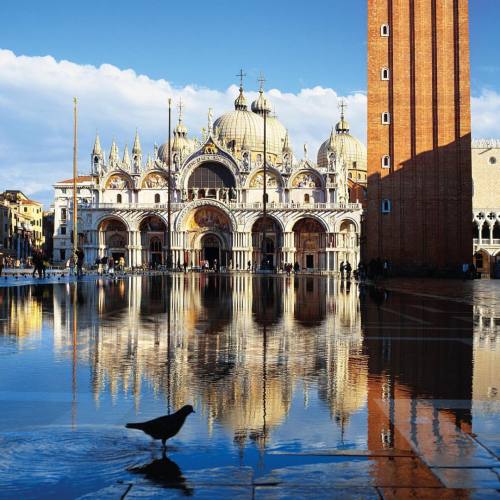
48	232
486	206
24	224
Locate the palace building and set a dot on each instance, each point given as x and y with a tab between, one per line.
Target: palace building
313	208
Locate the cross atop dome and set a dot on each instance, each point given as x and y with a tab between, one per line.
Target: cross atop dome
342	106
261	81
241	75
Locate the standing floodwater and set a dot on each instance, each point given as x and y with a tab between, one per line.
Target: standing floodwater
295	381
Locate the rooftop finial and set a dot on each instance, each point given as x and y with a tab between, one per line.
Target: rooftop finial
241	75
342	107
261	81
180	107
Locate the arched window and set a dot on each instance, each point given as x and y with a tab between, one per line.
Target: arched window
384	74
211	175
307	198
118	198
386	161
157	198
384	30
386	118
386	206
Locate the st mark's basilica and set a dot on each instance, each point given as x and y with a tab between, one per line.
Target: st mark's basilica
313	208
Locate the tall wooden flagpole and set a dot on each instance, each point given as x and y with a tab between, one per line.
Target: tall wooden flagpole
75	174
169	241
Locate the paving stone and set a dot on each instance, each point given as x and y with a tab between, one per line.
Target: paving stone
441	493
208	492
362	472
347	453
467	478
284	492
113	491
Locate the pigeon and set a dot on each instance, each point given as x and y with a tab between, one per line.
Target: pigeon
164	427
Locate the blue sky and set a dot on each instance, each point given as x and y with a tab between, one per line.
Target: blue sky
297	44
124	58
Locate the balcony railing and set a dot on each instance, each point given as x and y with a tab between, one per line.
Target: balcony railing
232	205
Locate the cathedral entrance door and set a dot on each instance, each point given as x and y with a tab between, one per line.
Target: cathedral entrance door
211	250
309	261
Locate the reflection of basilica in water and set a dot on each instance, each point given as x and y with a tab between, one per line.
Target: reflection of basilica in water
239	347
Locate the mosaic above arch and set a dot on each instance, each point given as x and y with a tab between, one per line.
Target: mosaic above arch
155	181
208	217
306	180
257	181
118	181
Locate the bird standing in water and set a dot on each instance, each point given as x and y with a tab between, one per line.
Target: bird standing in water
164	427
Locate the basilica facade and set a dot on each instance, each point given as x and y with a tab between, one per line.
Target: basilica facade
314	209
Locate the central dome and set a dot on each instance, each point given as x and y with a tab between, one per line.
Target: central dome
243	127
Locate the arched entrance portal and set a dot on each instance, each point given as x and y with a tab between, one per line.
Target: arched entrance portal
209	237
153	239
266	252
211	251
112	239
310	244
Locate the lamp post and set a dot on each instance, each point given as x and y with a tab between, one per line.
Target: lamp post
264	200
75	174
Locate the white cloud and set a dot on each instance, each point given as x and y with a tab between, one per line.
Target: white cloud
36	115
485	113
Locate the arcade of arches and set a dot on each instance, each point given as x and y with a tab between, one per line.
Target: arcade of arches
207	235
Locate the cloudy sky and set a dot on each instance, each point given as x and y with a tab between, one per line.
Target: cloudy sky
124	59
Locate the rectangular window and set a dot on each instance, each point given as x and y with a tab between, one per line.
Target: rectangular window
63	230
386	118
62	253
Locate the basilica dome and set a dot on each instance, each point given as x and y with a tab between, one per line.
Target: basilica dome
243	127
352	150
181	143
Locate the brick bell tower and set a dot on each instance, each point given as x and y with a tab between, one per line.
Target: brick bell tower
419	212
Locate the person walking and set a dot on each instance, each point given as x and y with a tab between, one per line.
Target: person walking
185	266
121	263
342	270
111	267
80	256
296	267
348	269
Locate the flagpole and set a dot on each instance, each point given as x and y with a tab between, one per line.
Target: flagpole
264	201
169	242
75	174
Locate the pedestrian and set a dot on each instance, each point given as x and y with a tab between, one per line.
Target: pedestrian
348	269
249	265
121	263
206	266
215	265
111	267
385	268
80	256
465	270
342	270
185	266
296	267
105	265
45	265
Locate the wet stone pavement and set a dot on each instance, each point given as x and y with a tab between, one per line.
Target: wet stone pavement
303	387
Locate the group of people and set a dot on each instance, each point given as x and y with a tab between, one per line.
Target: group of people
108	265
345	270
205	265
40	263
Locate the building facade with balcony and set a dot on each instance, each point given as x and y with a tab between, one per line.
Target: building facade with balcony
217	189
486	206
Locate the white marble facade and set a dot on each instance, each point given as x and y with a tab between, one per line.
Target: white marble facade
217	199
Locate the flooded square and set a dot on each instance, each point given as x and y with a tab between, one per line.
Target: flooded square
302	386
